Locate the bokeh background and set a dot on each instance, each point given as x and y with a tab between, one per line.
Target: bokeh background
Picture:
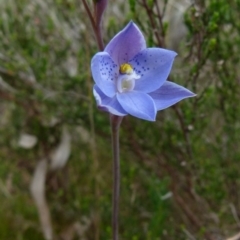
180	176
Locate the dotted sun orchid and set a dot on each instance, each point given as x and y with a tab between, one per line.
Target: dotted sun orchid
132	79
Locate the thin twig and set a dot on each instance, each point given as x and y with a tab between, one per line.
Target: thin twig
184	130
89	14
152	21
96	27
160	17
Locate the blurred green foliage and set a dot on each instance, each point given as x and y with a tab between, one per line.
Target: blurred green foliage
180	175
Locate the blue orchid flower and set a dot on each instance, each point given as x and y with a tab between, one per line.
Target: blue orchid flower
132	79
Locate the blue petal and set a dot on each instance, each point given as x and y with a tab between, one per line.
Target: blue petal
126	44
104	72
138	104
154	66
108	104
168	94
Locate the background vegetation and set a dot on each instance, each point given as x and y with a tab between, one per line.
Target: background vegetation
180	175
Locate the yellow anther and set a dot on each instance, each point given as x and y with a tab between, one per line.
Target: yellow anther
126	68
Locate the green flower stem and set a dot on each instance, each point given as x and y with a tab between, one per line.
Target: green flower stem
115	124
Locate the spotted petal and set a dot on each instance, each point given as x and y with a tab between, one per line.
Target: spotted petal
108	104
168	94
126	44
104	72
138	104
154	66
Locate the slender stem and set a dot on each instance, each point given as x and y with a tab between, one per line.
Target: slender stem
115	124
150	14
96	27
89	14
